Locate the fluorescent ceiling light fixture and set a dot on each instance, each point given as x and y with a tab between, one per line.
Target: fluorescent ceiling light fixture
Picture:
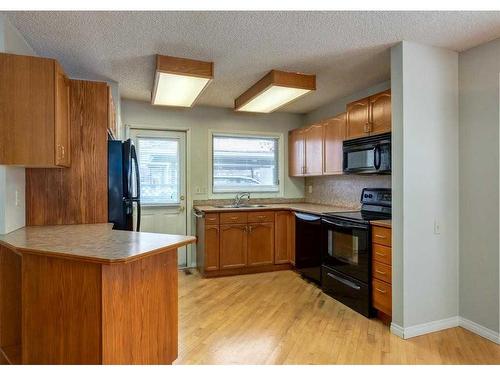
179	82
274	90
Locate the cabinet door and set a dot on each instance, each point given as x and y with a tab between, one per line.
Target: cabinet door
211	257
380	113
333	135
260	244
358	118
291	236
314	150
62	121
282	245
233	246
296	153
111	114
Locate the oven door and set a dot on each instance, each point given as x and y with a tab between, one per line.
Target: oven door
346	248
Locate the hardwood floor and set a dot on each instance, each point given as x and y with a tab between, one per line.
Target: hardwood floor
278	318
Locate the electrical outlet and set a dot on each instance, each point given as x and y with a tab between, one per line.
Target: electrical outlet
310	189
437	227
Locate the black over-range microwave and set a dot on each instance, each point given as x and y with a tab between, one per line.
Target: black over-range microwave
368	154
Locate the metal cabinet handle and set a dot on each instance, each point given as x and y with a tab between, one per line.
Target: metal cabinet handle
380	272
250	228
381	290
234	217
380	236
380	254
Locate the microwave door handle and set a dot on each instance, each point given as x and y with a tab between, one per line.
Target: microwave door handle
377	157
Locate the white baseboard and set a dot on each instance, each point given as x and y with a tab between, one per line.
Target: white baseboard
480	330
397	330
436	325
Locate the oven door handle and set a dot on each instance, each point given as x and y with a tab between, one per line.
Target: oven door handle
344	225
343	281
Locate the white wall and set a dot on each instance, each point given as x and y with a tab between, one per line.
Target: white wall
424	81
479	70
202	119
12	179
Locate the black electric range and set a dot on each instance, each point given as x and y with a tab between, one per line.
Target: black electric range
346	249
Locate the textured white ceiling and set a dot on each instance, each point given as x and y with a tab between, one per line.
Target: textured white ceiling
348	51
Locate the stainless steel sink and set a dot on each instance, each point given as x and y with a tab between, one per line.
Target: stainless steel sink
241	206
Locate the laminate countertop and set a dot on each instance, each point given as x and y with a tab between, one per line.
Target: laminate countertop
311	208
91	242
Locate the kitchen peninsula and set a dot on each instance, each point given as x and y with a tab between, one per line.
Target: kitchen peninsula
87	294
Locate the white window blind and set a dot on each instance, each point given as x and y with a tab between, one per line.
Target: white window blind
245	163
159	170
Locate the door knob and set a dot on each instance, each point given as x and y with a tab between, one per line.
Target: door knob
181	209
182	197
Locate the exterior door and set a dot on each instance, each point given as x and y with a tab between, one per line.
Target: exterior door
162	167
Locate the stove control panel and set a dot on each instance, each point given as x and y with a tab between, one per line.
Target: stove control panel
378	197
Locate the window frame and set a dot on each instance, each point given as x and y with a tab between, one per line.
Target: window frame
245	134
179	183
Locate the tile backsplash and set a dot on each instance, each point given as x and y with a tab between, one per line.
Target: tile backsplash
342	190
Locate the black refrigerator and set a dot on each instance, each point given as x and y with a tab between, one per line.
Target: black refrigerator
123	185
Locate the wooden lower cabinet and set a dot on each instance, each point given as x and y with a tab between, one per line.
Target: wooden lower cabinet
243	242
211	247
233	246
382	270
260	244
284	237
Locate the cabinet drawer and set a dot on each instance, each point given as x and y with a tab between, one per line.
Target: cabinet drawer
382	254
382	272
261	217
211	219
381	235
233	217
382	296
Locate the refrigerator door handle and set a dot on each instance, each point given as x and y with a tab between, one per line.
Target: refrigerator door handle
138	224
137	175
137	197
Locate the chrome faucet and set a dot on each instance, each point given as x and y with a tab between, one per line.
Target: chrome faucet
239	197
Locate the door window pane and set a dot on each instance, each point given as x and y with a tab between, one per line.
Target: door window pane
159	170
245	163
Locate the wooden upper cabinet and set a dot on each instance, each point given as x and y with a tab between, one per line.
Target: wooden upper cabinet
380	113
233	246
313	136
62	126
358	118
260	244
34	115
334	133
296	165
112	126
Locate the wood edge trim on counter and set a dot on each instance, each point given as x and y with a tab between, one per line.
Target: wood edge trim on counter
382	225
81	258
